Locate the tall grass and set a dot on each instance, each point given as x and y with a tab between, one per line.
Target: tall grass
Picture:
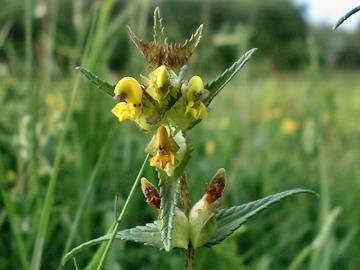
91	157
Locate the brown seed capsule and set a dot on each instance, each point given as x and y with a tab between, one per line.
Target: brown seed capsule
215	189
151	193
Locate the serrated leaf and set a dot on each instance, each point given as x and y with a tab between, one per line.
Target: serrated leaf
101	84
168	192
159	35
148	235
346	16
229	220
219	83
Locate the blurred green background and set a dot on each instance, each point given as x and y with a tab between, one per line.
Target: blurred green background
290	119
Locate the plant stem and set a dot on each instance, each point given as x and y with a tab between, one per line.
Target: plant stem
184	191
189	259
118	221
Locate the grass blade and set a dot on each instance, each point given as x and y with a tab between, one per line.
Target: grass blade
14	223
117	224
49	197
86	194
345	17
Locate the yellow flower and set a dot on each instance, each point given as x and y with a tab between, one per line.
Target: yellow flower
124	111
194	95
210	147
289	126
129	94
166	148
159	83
55	102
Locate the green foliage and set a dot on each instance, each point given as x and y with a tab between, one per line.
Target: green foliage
261	154
148	235
101	84
228	220
215	86
283	44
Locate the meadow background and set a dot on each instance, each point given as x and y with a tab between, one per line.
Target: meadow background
289	119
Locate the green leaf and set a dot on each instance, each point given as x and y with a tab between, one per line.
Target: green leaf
159	35
168	192
346	16
148	235
219	83
101	84
230	219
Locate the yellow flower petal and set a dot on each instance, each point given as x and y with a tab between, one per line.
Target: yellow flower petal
123	111
162	160
165	147
129	89
162	76
195	85
201	111
194	106
164	142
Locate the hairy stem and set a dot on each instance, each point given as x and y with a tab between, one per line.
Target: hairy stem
185	199
184	193
189	258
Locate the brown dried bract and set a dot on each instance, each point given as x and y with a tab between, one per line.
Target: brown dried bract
151	193
173	55
215	189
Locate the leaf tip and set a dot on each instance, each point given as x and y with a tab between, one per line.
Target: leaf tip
200	28
157	11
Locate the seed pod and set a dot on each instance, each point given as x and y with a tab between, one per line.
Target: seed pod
151	193
201	219
180	237
215	189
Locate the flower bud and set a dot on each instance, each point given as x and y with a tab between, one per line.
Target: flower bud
201	219
159	83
